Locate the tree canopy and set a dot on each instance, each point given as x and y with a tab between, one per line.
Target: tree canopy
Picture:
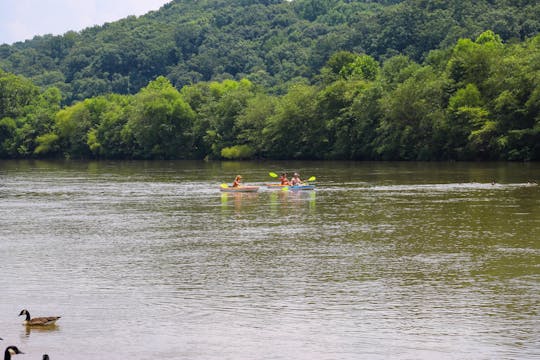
478	100
301	79
272	42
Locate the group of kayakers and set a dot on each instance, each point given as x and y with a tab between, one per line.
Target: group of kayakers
284	180
295	180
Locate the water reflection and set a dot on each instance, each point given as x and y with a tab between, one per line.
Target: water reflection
41	329
238	200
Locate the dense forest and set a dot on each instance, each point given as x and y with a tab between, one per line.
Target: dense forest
306	79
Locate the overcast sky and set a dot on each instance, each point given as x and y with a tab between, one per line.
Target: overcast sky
22	19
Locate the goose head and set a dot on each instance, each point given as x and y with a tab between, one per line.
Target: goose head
11	350
25	312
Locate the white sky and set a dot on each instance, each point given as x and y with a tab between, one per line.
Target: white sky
23	19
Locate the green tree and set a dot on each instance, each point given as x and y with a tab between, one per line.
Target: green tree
220	104
296	130
466	113
472	62
410	114
16	92
250	123
363	67
160	123
106	140
73	124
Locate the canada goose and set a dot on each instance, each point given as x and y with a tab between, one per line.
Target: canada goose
45	357
11	350
38	321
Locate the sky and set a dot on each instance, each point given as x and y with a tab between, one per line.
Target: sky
23	19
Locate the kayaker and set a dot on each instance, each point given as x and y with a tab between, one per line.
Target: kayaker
296	180
237	181
284	180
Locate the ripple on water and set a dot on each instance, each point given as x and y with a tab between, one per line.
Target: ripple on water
151	266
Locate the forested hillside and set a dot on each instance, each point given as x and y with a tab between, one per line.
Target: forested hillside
243	79
271	42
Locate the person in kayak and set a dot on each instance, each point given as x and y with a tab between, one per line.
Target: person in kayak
237	181
283	179
296	180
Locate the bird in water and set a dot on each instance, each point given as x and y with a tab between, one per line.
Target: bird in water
38	321
11	350
45	357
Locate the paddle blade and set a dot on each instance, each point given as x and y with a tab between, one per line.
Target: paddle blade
285	188
273	174
313	178
224	186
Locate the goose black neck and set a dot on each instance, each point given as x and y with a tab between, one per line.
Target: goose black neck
27	316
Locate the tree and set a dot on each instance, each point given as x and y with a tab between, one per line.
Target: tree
363	67
296	130
160	123
409	115
251	122
16	92
466	113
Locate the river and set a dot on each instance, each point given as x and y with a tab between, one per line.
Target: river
381	261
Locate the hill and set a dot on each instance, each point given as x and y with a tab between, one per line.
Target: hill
273	43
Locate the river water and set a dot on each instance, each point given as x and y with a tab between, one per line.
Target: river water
382	261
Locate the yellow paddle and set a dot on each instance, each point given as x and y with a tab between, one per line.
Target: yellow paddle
224	186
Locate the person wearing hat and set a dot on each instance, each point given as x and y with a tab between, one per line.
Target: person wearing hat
296	180
237	181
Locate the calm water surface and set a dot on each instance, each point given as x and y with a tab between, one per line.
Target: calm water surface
381	261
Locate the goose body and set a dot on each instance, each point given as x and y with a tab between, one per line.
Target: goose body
38	321
11	350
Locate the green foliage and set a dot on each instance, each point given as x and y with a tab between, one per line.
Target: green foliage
47	144
160	122
251	122
16	92
409	114
475	100
296	130
237	152
271	42
363	67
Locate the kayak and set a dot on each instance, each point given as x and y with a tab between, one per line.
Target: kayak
240	189
302	187
291	187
